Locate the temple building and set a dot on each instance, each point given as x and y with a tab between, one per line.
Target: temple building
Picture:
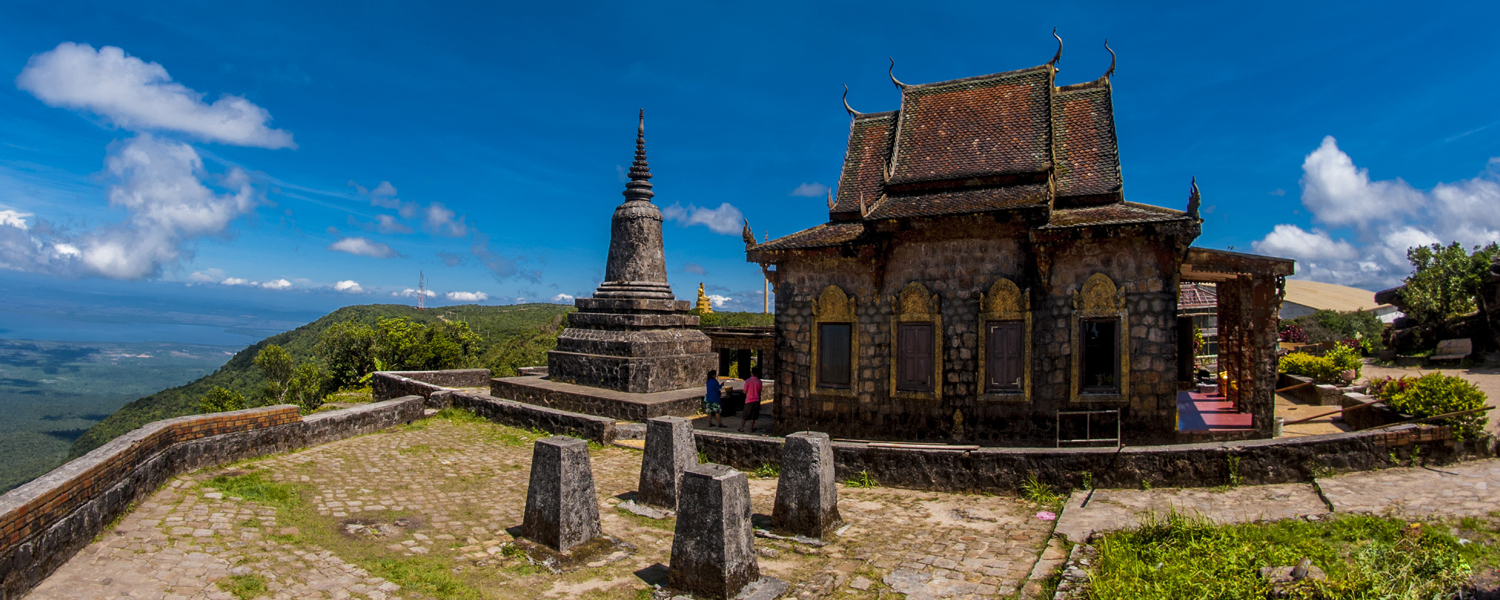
982	277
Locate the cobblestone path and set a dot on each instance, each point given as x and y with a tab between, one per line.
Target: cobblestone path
1462	490
1112	510
422	511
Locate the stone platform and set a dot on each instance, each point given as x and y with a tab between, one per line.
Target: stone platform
624	406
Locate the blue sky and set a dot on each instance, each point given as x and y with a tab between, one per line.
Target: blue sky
301	156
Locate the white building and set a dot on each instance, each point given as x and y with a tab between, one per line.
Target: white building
1307	297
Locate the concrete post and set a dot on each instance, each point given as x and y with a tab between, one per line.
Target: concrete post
713	549
807	502
670	450
561	508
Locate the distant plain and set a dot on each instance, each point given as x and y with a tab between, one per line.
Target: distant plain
51	392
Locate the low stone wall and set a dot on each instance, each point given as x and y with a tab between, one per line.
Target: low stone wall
528	416
44	522
385	385
1004	470
619	405
1320	394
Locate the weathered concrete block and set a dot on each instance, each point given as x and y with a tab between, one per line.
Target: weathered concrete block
670	450
561	509
807	503
713	548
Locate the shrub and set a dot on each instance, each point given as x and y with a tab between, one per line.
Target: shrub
1323	369
1293	333
1437	394
221	400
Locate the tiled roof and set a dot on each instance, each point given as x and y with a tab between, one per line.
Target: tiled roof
1113	214
869	145
1083	124
827	234
990	125
969	200
1197	295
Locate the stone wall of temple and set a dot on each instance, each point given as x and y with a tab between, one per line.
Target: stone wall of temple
958	260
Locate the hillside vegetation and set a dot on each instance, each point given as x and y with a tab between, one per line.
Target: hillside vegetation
511	336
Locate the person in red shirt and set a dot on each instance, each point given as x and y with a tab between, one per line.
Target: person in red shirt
752	400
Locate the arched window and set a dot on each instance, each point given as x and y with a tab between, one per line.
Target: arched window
1005	343
835	342
1101	342
916	344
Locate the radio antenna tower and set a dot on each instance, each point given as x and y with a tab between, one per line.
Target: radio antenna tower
421	290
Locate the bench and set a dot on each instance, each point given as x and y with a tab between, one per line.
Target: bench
1453	349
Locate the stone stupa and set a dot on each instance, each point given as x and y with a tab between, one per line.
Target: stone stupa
633	335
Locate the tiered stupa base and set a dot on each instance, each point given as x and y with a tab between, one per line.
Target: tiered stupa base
636	345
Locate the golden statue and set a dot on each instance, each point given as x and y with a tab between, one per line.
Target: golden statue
704	306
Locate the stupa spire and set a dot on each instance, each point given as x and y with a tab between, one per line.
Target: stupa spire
639	187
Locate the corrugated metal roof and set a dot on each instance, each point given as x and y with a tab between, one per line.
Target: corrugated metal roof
1329	296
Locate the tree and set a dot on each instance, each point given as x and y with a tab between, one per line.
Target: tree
1445	281
287	382
347	349
401	344
221	400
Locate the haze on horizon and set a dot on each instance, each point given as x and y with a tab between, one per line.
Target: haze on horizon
212	173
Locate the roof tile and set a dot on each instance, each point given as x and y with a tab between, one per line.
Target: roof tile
992	125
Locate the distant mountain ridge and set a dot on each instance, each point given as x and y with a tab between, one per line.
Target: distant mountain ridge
521	332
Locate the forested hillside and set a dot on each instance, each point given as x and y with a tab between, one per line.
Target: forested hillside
512	336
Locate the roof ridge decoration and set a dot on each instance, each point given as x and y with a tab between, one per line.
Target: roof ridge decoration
892	72
830	198
1193	200
639	187
748	235
852	113
1057	57
1111	71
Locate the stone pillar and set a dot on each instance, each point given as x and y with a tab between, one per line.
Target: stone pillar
670	450
807	503
561	508
713	549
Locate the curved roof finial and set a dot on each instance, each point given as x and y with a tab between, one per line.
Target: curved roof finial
1111	71
1058	56
852	112
748	235
1194	200
892	72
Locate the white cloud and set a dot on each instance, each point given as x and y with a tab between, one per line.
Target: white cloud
1382	219
466	296
206	276
359	246
725	219
563	299
810	190
11	218
411	293
159	182
237	281
278	284
717	300
440	221
140	96
349	286
694	268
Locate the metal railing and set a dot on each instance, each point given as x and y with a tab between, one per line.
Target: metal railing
1088	431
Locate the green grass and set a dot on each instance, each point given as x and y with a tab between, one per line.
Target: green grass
662	524
253	486
243	587
1178	556
425	575
862	480
1033	490
768	471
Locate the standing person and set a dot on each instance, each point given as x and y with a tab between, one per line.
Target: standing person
712	405
752	400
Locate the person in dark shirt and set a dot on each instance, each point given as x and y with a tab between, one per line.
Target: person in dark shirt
712	404
752	400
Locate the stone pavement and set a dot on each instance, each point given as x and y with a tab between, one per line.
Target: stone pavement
1112	510
1462	490
380	514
